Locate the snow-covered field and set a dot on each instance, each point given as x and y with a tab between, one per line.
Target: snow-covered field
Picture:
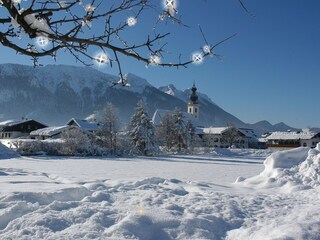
166	197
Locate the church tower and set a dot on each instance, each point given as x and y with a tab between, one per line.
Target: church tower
193	105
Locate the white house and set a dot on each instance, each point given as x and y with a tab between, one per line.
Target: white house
223	137
292	139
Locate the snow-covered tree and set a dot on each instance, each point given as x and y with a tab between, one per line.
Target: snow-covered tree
40	28
77	142
109	126
175	133
165	132
231	136
141	132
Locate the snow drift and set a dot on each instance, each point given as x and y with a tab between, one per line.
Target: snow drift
294	169
6	153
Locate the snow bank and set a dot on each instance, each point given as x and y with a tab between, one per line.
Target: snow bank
6	153
294	169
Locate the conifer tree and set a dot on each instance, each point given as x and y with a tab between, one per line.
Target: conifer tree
142	132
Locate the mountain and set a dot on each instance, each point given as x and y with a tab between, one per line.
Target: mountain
264	127
55	93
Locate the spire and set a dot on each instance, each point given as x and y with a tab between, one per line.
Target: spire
193	97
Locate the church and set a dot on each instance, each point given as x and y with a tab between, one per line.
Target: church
221	137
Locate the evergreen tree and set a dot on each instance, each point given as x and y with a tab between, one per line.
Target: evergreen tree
109	126
174	132
142	132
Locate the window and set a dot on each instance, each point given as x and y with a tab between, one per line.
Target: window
190	110
196	110
304	144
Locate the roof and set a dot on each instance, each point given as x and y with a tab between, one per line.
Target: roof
12	123
49	131
214	130
304	134
84	124
159	113
9	123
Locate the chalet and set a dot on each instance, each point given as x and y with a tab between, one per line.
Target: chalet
83	124
223	137
49	132
18	128
254	141
292	139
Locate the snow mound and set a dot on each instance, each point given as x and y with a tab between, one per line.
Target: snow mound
295	169
6	153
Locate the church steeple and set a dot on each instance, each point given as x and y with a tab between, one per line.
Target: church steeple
193	97
193	105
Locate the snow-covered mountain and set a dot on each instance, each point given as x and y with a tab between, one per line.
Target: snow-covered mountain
55	93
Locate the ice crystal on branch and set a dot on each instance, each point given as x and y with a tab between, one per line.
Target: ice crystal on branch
42	41
101	59
154	60
16	1
206	49
197	58
131	21
89	8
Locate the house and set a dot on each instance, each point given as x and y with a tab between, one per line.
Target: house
49	132
18	128
292	139
223	137
83	124
253	140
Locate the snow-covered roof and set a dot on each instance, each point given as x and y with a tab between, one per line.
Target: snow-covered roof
84	124
49	131
214	130
305	134
13	122
159	113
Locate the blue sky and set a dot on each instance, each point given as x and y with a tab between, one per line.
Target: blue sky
269	71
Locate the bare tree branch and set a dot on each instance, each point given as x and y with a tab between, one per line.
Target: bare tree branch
78	28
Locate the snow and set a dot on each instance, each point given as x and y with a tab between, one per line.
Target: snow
83	124
289	170
49	131
304	134
164	197
40	24
214	130
6	153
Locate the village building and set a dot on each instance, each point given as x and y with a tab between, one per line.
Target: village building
18	128
83	124
293	139
49	132
223	137
254	141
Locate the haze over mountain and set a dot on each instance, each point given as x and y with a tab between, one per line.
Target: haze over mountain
55	93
